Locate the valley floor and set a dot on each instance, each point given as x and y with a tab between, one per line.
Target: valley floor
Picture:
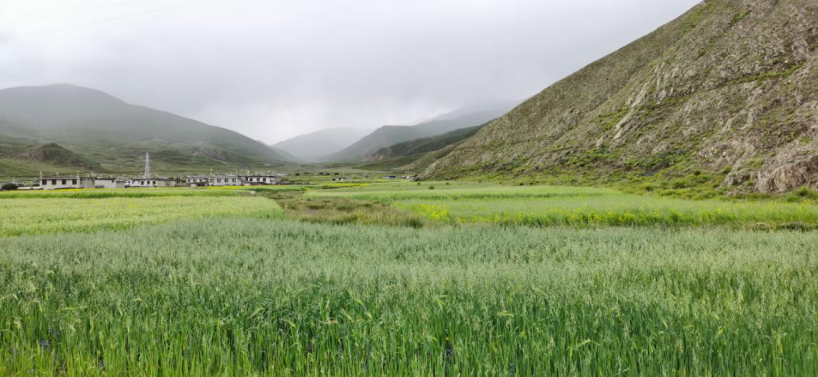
442	278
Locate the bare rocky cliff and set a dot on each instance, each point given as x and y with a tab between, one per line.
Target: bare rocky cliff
730	88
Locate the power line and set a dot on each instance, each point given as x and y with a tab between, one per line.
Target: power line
107	20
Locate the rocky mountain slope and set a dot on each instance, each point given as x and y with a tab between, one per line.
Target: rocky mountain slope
54	154
729	88
468	116
104	132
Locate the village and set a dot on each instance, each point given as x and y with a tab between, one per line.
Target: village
92	181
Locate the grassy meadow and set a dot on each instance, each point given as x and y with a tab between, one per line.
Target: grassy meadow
583	207
362	280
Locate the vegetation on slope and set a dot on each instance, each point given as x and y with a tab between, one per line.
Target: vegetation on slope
727	89
390	135
416	155
53	153
424	145
108	132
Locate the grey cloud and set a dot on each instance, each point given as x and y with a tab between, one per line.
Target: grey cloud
275	69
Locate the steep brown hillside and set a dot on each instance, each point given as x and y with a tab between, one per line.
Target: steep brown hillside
55	154
730	88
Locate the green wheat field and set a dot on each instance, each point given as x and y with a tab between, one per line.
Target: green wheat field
450	279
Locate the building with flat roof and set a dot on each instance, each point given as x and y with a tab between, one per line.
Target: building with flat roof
224	180
256	180
151	182
65	182
100	183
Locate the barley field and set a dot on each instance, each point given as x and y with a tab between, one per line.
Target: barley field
618	210
143	192
406	191
189	290
583	207
60	215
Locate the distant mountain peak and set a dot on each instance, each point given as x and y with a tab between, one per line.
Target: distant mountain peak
59	95
314	145
478	106
386	136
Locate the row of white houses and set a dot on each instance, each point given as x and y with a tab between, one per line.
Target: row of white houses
77	182
233	180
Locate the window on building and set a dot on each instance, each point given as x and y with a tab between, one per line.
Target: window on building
73	181
64	181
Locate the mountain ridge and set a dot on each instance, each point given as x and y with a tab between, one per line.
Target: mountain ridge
424	145
415	155
386	136
101	129
314	145
726	89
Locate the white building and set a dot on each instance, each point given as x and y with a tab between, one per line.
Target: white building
197	181
254	180
151	182
231	180
57	183
224	180
108	183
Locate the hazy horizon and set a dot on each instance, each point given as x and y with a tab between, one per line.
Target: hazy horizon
275	70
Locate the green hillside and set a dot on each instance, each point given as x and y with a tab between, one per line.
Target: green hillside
423	145
390	135
724	96
110	135
416	155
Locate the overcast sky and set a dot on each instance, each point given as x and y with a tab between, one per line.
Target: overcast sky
274	69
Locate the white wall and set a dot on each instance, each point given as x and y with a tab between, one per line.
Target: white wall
60	183
105	183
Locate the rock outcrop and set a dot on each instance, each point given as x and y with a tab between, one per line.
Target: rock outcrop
55	154
731	88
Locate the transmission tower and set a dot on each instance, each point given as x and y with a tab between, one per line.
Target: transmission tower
147	165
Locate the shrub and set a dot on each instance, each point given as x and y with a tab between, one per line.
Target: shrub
802	193
8	187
